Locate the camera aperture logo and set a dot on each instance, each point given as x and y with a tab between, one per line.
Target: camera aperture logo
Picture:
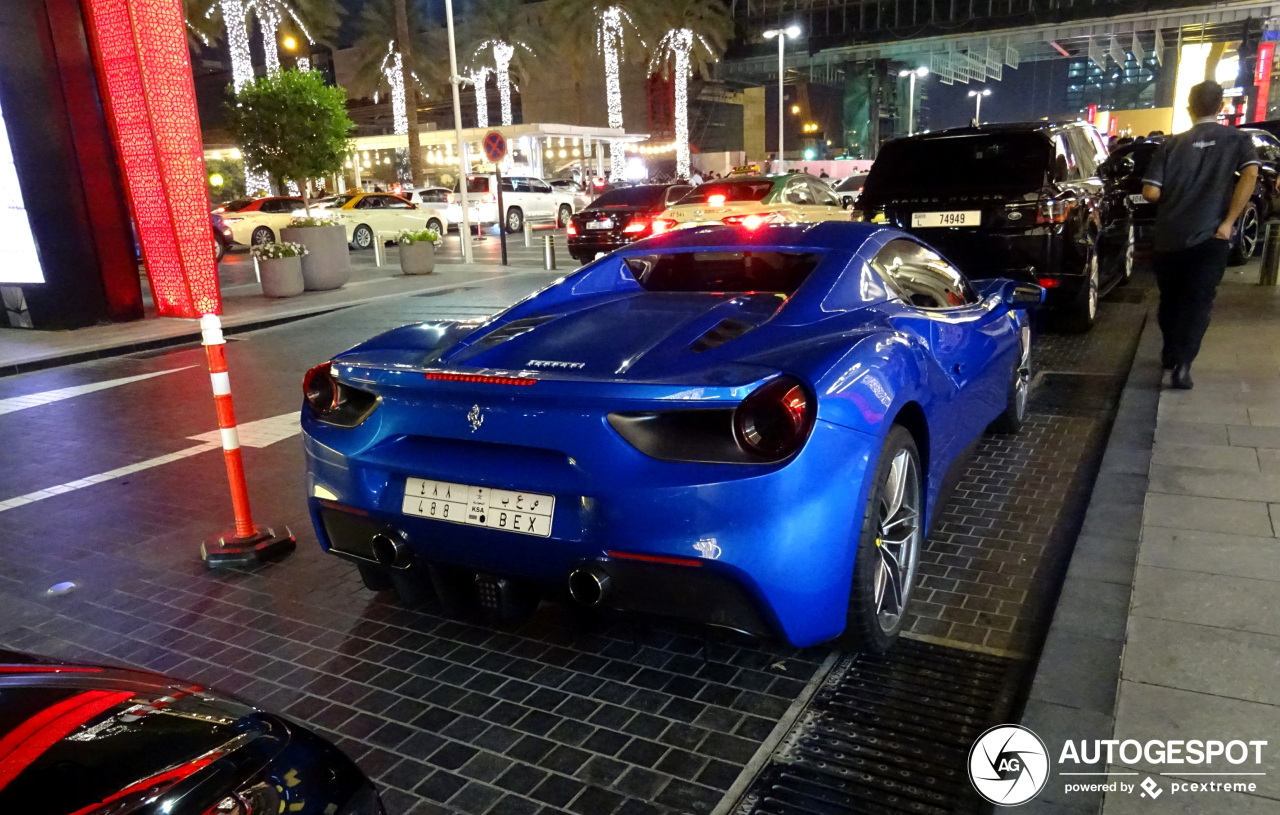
1008	765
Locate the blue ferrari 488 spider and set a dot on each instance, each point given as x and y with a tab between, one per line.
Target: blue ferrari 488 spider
744	428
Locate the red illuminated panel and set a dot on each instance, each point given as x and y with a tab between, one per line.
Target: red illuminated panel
482	379
145	71
1262	78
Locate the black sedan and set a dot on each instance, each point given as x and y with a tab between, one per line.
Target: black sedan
83	738
621	216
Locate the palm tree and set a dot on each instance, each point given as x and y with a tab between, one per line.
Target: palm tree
613	24
392	51
478	76
503	28
313	20
697	33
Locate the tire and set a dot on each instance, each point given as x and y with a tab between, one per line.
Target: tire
563	215
515	220
362	237
1248	230
1082	314
1015	409
435	224
877	612
219	249
261	235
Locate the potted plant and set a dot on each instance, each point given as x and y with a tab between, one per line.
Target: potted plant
280	268
418	250
293	126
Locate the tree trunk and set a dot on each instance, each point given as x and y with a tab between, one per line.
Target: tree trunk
502	54
405	45
683	45
478	80
237	42
612	35
270	24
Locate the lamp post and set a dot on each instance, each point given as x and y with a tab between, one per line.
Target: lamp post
921	72
463	165
977	104
791	31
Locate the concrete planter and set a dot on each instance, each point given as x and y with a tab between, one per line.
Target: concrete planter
327	265
418	257
281	277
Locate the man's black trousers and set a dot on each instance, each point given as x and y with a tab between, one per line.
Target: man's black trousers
1188	280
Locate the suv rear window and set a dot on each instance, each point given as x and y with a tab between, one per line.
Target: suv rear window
476	184
982	162
731	190
767	272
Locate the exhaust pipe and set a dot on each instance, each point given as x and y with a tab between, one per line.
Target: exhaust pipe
390	550
589	586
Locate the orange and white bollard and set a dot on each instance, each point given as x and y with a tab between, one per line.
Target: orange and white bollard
246	543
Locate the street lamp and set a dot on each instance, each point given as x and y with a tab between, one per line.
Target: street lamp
791	31
977	104
921	72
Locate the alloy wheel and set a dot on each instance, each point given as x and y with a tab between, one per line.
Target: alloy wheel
262	235
363	237
898	535
1022	380
1129	249
514	221
1249	231
1093	284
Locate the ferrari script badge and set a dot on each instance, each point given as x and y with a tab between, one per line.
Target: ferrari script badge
474	418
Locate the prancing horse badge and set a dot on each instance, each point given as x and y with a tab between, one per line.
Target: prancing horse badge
474	418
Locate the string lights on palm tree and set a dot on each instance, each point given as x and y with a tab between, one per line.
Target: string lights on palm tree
479	77
699	31
501	29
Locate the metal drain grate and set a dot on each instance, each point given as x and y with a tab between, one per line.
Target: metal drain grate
888	733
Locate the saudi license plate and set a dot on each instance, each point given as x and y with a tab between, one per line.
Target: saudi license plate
607	223
966	217
528	513
1137	198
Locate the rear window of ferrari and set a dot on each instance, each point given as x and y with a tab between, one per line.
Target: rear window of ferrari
745	271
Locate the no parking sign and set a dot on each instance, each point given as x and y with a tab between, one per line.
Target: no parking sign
494	146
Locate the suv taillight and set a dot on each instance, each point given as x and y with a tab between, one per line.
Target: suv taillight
775	419
1055	212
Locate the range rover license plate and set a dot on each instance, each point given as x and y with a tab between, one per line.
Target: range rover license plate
528	513
967	217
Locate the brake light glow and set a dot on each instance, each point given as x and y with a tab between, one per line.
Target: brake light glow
751	221
1049	283
1054	212
671	561
570	229
481	379
636	225
660	225
716	200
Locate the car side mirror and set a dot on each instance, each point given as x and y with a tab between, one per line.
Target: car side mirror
1017	295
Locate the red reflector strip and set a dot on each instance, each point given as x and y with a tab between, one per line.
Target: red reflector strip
45	669
341	508
1049	283
487	380
673	561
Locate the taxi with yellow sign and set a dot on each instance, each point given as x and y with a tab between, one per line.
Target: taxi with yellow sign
754	200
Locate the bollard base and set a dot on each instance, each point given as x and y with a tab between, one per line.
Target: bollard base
228	550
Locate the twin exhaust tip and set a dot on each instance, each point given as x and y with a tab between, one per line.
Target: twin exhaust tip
589	586
389	549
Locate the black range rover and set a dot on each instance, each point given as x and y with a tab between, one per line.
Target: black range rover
1010	200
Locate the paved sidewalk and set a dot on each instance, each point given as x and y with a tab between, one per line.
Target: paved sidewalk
1201	656
245	306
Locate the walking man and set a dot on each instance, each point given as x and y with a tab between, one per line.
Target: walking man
1192	177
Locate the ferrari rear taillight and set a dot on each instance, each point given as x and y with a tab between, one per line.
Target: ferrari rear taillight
637	225
332	402
774	421
320	388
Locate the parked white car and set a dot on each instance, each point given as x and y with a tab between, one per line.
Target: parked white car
523	198
254	221
368	215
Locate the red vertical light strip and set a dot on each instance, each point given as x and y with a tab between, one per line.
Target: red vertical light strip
145	70
1262	78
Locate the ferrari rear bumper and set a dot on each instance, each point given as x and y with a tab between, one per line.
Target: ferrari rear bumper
765	549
